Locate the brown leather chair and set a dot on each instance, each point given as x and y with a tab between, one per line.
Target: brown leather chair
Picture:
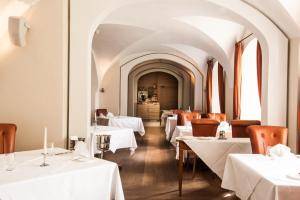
205	127
102	111
217	116
185	117
239	127
7	138
177	112
263	136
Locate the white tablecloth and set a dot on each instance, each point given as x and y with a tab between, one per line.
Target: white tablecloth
63	179
258	177
214	152
170	127
165	114
134	123
120	137
181	131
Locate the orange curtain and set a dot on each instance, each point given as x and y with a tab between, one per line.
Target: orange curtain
209	86
221	88
237	80
259	68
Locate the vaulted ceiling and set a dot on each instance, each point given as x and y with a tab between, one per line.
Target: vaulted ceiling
194	30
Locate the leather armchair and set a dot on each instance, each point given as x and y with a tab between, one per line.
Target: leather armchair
263	136
217	116
205	127
102	111
177	112
186	117
239	127
7	138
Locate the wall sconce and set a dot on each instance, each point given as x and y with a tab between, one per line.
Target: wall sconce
17	29
102	90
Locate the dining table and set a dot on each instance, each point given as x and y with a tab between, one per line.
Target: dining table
256	176
66	177
171	123
121	138
134	123
211	150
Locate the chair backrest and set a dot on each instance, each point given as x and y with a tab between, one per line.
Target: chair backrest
177	112
239	127
7	138
205	127
217	116
102	111
186	117
263	136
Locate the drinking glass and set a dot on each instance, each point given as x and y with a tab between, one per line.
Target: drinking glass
52	153
10	161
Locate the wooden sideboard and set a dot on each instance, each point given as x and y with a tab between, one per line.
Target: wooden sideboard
149	111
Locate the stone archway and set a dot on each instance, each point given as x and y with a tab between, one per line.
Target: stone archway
127	68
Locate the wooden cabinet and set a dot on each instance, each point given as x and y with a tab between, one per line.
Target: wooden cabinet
148	111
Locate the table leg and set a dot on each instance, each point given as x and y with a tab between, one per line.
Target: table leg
180	169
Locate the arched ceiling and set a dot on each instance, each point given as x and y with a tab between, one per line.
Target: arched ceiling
193	29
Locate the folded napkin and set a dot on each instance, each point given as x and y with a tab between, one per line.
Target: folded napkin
279	150
109	114
81	149
188	123
102	116
224	126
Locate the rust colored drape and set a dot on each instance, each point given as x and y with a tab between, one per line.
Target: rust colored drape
221	84
209	86
259	68
237	80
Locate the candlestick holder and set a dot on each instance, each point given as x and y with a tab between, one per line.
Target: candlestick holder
44	164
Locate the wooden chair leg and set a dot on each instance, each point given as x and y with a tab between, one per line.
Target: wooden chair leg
180	171
194	166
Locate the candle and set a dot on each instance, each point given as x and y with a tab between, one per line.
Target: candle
45	140
95	116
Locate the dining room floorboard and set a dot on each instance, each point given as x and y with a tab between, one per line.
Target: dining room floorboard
151	173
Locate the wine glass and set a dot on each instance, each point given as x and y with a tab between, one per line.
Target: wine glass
10	161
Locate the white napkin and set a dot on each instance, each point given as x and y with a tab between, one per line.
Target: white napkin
81	149
109	114
73	137
188	123
279	150
224	126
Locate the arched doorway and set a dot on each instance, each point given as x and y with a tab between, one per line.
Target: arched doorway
159	88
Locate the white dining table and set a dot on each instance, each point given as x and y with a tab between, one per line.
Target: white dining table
64	178
134	123
256	176
171	123
181	131
120	138
213	152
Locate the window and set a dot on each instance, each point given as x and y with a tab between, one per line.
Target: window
215	90
250	104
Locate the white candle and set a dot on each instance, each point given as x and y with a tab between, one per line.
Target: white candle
95	116
45	140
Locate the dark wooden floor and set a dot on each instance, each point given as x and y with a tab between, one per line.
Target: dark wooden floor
151	173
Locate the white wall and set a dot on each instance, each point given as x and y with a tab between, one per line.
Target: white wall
294	76
33	79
